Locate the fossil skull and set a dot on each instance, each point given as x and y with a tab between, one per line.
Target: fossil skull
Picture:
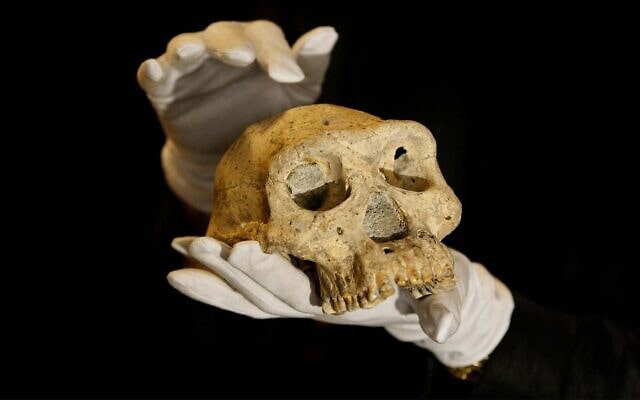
361	197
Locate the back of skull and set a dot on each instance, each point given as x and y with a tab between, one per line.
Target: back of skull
361	198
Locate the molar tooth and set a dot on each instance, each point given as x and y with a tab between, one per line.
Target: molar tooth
362	299
401	279
327	308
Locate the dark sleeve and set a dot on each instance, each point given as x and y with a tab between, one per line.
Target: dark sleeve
549	354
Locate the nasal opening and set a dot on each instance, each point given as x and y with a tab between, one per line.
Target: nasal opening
384	220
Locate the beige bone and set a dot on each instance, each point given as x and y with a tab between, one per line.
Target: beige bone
361	197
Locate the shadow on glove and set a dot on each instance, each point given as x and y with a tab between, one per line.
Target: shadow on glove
460	327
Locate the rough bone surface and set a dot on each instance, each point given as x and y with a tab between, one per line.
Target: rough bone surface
361	197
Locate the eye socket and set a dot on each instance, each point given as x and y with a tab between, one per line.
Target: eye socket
310	190
400	176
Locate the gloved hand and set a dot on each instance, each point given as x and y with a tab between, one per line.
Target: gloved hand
207	88
460	327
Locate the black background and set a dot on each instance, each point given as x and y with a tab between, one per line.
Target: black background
533	110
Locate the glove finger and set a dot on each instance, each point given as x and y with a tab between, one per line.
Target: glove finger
181	245
275	274
316	42
207	288
152	75
273	51
227	42
313	53
157	76
186	52
209	252
440	314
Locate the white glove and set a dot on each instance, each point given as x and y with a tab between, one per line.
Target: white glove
462	326
207	88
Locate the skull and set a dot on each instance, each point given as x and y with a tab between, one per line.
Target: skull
361	198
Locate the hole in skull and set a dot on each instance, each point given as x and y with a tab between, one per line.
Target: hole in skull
399	152
310	190
387	250
404	174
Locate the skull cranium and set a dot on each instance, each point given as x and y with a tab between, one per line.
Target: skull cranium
361	197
